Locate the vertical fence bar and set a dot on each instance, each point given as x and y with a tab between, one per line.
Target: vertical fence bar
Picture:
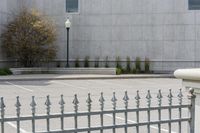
48	104
33	109
137	98
2	107
170	96
126	98
180	99
101	100
18	105
148	97
192	97
62	108
114	103
75	102
159	97
89	101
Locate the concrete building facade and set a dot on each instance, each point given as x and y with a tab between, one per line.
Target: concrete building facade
165	31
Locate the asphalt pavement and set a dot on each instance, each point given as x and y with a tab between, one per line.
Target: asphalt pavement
25	89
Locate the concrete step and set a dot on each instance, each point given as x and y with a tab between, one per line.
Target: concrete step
101	71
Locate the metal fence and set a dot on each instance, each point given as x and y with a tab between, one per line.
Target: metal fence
102	112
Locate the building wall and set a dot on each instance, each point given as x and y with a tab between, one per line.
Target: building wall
8	8
3	20
165	31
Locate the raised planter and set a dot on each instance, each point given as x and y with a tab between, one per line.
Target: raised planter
104	71
191	79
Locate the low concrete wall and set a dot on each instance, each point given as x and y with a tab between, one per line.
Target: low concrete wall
104	71
191	80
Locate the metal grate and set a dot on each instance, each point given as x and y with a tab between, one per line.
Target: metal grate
102	112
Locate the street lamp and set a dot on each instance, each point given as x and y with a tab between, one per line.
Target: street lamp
67	26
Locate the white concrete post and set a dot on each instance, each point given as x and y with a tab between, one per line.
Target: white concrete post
191	79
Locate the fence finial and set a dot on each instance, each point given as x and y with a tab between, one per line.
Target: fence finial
89	101
18	105
62	103
114	101
75	102
137	98
159	96
2	107
126	98
48	104
33	105
170	96
180	96
101	100
148	97
191	93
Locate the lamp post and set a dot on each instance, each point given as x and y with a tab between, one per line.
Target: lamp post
67	26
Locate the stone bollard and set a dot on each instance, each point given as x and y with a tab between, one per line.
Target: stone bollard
191	81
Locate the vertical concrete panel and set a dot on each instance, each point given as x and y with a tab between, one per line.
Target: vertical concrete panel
179	51
190	32
197	49
163	30
154	50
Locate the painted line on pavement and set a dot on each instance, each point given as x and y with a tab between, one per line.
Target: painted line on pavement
70	85
112	84
18	86
14	126
153	127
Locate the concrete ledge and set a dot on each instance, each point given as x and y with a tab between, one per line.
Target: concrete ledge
101	71
36	77
188	74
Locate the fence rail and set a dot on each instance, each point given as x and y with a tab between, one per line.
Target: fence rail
102	112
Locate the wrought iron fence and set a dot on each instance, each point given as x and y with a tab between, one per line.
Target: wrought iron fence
102	112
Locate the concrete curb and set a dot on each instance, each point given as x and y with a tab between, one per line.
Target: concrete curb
79	77
41	70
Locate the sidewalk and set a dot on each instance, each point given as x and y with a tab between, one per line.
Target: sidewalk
79	77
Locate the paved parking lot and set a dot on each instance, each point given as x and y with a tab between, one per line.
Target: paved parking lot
40	89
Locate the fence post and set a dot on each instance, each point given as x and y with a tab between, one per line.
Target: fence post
2	108
18	111
180	99
89	101
62	109
114	103
170	96
126	98
191	79
48	108
75	102
192	97
137	98
101	100
33	108
148	97
159	97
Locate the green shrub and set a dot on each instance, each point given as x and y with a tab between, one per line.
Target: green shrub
147	65
118	71
138	65
29	37
128	65
8	71
77	62
86	61
96	63
137	71
2	72
134	71
118	62
106	62
5	71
